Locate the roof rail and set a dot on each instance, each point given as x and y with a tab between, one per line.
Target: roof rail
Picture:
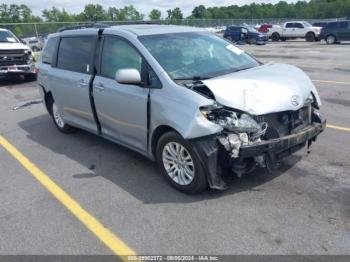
82	26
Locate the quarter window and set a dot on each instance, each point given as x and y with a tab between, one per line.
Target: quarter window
74	53
48	50
118	54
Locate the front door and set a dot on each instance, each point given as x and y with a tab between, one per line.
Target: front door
121	108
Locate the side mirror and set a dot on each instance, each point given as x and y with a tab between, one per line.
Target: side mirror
128	76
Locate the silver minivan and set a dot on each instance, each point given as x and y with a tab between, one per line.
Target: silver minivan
182	96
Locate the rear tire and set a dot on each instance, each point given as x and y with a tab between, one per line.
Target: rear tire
275	37
58	120
310	37
180	164
331	39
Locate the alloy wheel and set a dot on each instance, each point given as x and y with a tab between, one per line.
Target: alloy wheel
178	163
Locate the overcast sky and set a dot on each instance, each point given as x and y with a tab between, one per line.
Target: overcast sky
76	6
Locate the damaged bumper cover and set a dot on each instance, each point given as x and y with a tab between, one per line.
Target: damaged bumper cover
214	157
284	146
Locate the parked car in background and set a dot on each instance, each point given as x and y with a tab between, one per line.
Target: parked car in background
16	58
245	34
264	28
335	32
34	43
319	24
295	29
182	96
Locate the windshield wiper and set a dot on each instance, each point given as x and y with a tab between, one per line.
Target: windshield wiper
192	78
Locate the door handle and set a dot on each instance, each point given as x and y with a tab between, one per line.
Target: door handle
82	83
99	86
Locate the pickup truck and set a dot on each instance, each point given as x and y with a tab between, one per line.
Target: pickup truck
16	58
295	29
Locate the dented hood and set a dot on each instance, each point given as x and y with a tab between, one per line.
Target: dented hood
264	89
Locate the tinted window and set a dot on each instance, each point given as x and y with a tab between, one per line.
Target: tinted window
118	54
48	50
298	25
343	25
332	25
74	53
289	25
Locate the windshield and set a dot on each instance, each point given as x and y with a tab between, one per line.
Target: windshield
196	55
306	24
7	37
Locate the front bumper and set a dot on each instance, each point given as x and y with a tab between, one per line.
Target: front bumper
284	146
17	70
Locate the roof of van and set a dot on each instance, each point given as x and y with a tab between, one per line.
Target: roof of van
142	29
138	29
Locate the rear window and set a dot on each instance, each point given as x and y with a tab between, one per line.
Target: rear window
48	50
74	53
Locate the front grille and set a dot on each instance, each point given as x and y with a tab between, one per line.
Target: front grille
12	51
285	123
12	57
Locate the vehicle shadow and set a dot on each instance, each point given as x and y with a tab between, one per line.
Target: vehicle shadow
14	81
129	170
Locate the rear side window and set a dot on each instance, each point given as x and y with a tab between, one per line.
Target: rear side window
332	25
289	25
74	53
118	54
49	50
343	25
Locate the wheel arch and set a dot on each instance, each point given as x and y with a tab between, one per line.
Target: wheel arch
48	99
157	133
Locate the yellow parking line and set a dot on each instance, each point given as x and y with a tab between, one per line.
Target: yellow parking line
107	237
332	82
339	128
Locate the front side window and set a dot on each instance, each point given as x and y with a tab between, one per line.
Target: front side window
74	53
298	25
196	54
118	54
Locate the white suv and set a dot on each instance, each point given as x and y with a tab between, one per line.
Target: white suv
15	57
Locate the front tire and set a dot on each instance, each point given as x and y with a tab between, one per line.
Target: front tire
59	122
180	164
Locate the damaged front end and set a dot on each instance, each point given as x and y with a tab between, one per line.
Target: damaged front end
249	141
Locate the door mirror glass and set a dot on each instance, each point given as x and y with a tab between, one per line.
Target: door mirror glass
128	76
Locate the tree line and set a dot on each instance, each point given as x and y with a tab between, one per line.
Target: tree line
312	9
